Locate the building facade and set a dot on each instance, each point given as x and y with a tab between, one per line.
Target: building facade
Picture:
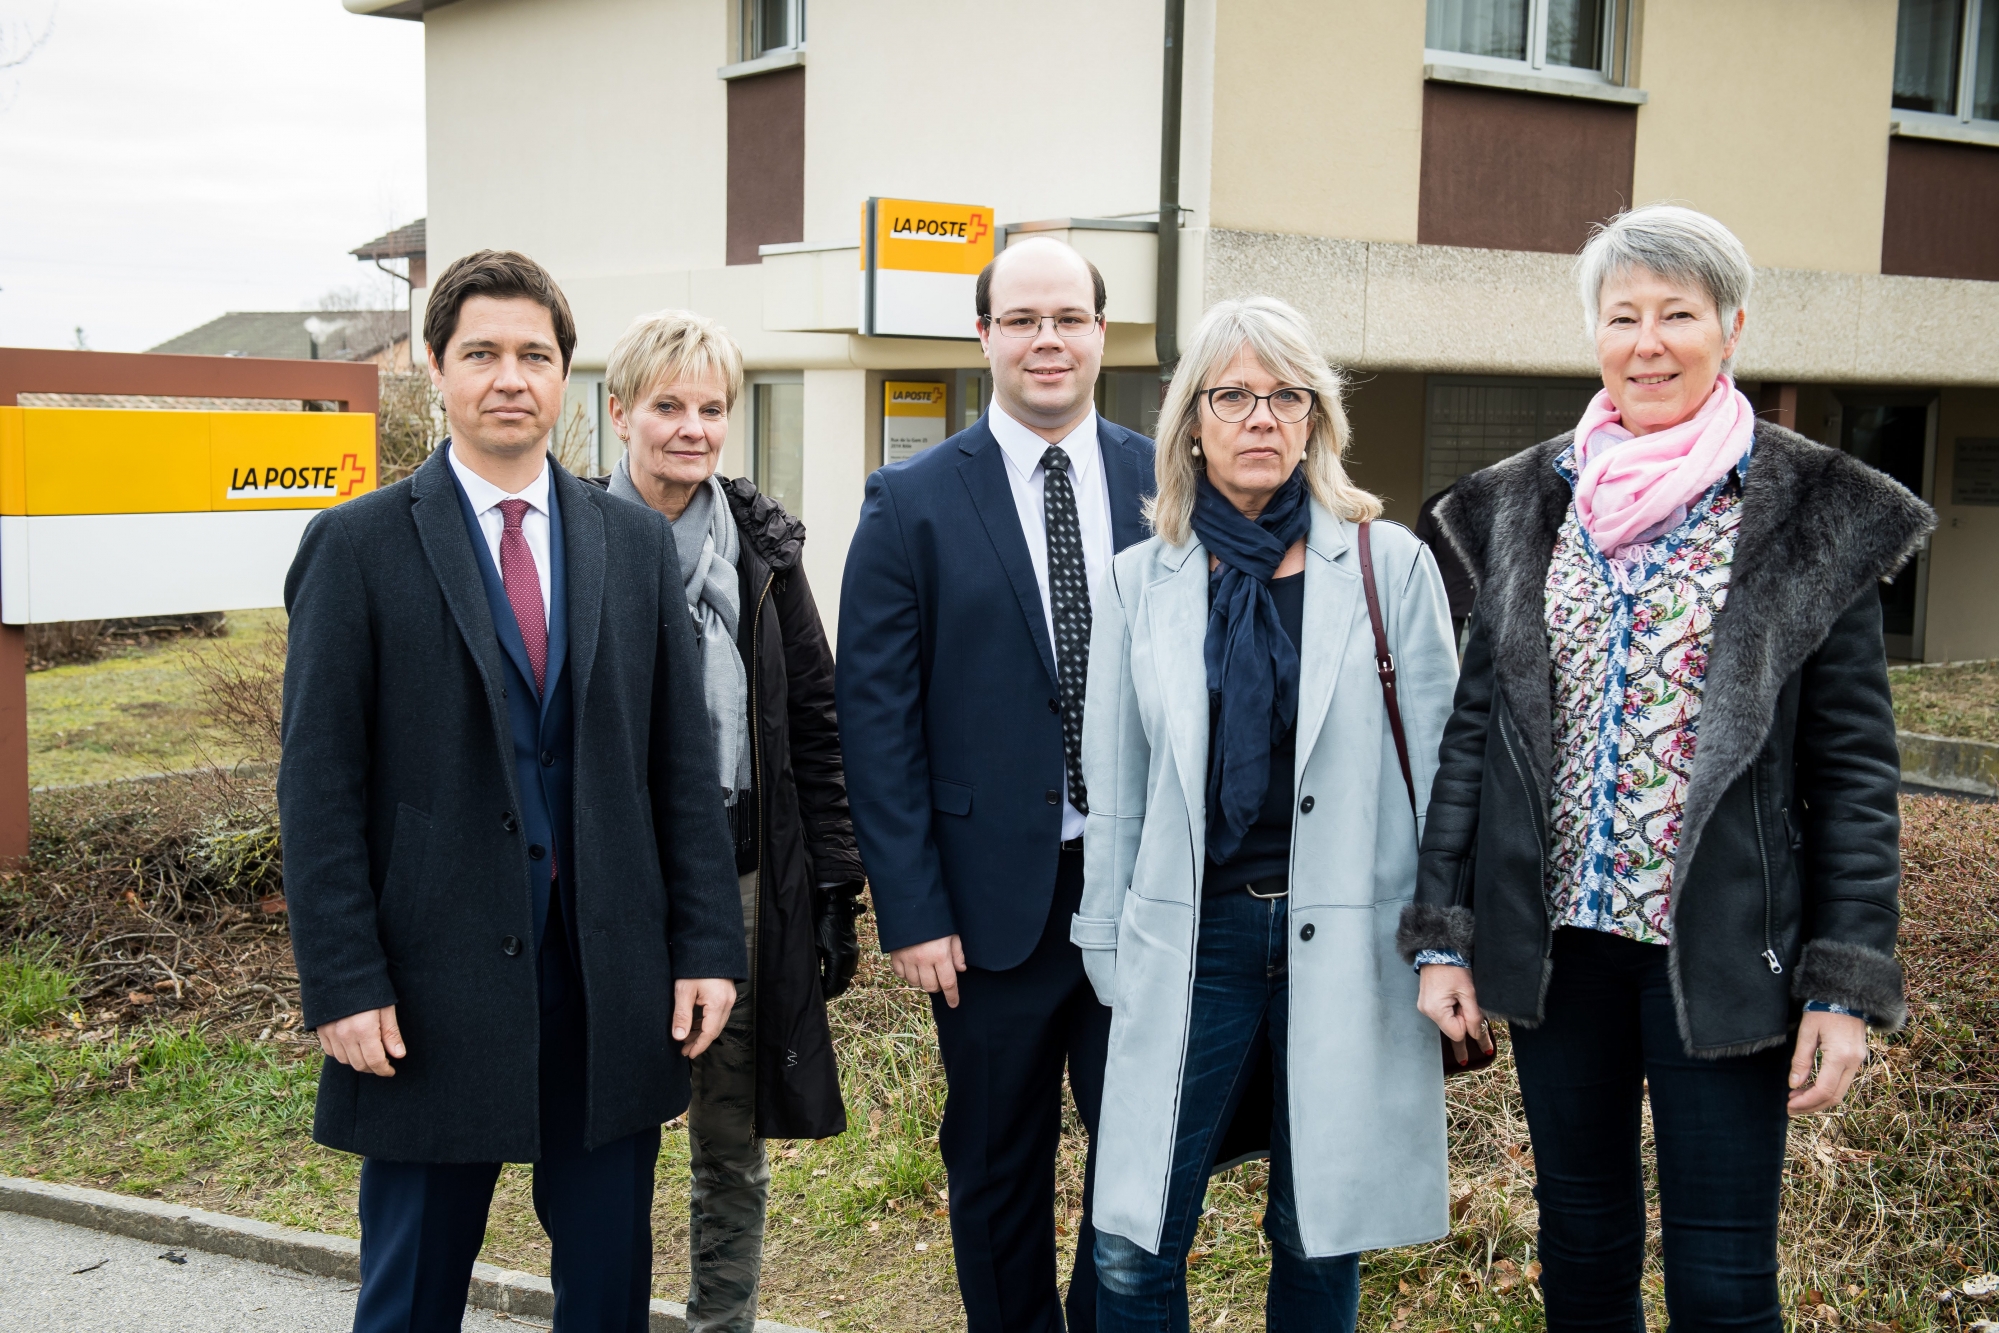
1415	177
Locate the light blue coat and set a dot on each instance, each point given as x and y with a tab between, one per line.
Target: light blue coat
1366	1097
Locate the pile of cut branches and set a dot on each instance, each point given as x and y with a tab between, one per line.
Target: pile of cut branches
165	899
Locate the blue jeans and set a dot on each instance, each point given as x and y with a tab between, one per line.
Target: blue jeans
1719	1126
1242	998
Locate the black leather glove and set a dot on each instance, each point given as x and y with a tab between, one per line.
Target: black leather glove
834	908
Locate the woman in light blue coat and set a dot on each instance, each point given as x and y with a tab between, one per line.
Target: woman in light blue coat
1252	841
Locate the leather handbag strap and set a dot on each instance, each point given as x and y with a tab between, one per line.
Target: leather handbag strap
1384	662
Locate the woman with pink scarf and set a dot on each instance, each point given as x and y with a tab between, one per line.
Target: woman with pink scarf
1662	837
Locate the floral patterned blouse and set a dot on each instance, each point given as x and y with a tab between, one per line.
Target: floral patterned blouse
1629	641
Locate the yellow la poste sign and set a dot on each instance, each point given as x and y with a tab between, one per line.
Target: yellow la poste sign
922	236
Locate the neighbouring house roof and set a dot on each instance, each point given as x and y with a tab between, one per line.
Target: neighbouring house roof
159	402
343	335
401	243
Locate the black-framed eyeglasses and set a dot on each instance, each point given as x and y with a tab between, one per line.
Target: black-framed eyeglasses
1020	324
1288	405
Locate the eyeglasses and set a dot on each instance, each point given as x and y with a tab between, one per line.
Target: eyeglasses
1289	406
1070	324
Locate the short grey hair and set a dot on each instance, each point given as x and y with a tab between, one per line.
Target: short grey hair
1673	242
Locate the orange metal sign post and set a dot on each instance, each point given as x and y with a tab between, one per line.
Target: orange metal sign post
351	386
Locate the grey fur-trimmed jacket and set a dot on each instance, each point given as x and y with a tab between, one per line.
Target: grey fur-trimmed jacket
1785	883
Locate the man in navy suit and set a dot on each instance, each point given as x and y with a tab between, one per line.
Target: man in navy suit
964	642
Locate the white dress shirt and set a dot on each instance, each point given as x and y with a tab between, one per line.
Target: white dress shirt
486	497
1024	474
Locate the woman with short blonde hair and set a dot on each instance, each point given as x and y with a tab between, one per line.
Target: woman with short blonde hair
673	347
1252	837
767	673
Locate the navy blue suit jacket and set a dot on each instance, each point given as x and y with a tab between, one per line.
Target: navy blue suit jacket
946	686
543	733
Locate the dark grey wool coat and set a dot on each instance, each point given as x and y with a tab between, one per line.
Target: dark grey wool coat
404	870
1784	886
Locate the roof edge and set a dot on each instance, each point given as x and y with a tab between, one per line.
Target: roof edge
392	9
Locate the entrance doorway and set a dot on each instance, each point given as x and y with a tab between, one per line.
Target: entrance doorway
1897	434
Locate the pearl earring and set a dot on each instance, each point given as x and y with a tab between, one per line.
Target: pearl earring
1197	449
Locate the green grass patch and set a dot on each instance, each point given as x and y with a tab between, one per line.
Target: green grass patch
137	710
160	1110
113	1077
32	987
1960	700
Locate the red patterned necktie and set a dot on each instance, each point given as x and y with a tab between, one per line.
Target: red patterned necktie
517	572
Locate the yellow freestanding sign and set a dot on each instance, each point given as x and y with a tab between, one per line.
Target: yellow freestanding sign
109	513
920	264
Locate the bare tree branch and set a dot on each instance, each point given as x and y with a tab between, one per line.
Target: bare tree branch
12	53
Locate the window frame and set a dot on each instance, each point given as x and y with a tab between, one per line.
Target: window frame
749	23
756	463
1964	64
1613	68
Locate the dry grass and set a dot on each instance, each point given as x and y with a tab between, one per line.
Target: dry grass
158	1060
1960	700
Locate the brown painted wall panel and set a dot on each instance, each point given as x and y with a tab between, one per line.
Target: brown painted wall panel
1517	171
766	162
1942	217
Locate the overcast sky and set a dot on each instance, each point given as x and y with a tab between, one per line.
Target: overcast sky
165	161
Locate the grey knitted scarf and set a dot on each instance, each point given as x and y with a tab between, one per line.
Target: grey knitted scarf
709	545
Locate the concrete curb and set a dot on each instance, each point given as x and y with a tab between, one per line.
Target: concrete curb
1949	764
281	1247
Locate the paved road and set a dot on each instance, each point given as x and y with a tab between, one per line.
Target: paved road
131	1289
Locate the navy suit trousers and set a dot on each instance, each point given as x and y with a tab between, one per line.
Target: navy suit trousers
422	1223
1005	1047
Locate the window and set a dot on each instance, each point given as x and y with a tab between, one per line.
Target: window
772	25
1947	58
1470	423
1571	38
777	441
1896	433
1131	398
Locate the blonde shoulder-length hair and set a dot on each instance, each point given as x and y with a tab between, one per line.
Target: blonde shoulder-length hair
1281	341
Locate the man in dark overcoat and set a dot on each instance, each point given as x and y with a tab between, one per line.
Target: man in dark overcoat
512	893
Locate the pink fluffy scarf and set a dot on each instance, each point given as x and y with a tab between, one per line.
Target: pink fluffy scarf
1632	489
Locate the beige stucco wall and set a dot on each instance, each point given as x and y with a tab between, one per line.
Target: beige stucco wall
1773	116
1318	117
1964	552
1511	312
835	480
1038	114
590	134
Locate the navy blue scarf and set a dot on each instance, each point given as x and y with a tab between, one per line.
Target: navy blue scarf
1252	663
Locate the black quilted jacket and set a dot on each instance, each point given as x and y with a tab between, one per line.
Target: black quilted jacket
797	833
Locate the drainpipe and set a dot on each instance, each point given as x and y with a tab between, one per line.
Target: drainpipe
1166	317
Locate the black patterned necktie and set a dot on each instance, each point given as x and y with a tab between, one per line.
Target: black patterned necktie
1069	598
